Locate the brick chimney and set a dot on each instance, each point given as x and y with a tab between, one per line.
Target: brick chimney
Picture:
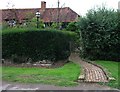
43	5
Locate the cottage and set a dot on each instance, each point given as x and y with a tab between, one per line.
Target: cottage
48	15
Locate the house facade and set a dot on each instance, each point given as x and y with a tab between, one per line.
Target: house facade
47	15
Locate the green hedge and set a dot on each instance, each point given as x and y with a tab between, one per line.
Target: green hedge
37	45
100	34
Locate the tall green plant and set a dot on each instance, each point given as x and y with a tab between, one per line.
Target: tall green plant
100	37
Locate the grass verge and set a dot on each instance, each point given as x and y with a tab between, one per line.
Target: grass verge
63	76
113	71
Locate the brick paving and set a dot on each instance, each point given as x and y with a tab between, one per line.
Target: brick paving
92	73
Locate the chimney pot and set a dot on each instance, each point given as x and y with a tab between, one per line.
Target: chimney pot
43	5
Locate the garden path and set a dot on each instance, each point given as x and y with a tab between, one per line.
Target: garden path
91	73
82	86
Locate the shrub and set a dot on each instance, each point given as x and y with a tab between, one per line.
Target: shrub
100	37
56	25
33	23
37	45
72	26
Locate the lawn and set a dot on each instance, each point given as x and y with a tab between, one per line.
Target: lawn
63	76
112	69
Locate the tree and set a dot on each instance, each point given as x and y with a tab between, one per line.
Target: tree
12	12
100	34
56	18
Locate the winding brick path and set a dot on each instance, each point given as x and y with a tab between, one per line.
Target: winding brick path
92	73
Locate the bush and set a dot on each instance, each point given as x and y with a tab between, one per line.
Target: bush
100	37
72	27
31	24
37	45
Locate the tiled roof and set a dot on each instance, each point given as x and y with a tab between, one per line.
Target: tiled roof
65	15
20	13
48	15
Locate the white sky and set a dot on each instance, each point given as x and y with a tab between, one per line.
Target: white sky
80	6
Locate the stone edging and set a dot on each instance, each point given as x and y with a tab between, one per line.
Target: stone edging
81	78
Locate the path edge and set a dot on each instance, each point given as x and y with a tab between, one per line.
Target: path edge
105	72
109	78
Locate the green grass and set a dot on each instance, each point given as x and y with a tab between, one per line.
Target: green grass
112	69
63	76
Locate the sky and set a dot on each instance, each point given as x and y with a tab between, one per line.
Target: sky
79	6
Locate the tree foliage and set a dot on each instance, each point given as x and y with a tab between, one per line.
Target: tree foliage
100	34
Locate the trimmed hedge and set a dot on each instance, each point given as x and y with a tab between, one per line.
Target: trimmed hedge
37	45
